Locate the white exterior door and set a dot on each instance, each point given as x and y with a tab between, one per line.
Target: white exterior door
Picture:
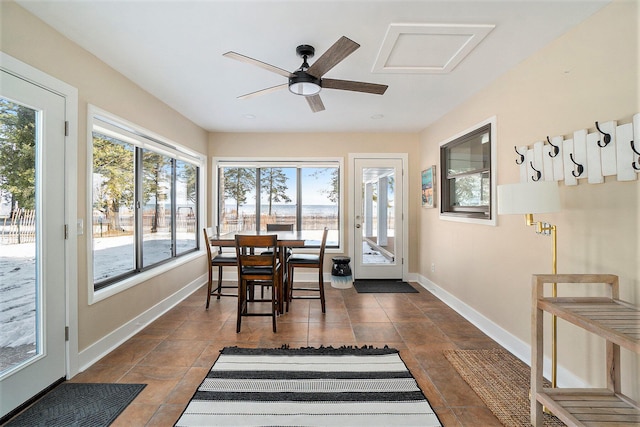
378	226
32	243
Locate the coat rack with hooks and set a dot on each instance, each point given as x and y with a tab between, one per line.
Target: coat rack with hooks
608	149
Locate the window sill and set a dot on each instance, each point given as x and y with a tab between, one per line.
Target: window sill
468	220
96	296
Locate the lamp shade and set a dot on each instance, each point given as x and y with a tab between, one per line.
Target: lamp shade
528	198
303	83
304	88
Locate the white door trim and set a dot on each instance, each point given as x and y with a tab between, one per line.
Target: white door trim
349	225
70	94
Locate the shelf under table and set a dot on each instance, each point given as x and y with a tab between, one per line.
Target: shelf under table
618	322
590	407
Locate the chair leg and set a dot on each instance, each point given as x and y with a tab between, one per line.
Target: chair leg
289	295
285	288
274	301
219	281
241	304
209	286
321	286
251	290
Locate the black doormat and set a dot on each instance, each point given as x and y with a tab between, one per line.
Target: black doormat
382	286
79	404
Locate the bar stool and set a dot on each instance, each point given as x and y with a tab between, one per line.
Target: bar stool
220	260
257	269
308	261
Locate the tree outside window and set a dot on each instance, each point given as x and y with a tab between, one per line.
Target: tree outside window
17	155
144	203
304	194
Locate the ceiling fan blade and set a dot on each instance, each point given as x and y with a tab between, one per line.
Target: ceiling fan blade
336	53
315	103
373	88
263	65
263	91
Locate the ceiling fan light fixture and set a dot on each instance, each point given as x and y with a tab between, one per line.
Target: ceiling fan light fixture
308	80
304	84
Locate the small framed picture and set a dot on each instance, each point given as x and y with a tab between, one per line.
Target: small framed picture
429	187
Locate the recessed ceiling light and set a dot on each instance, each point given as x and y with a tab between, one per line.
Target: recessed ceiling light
249	116
377	116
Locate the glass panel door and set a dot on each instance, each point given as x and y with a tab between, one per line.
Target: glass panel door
32	263
18	289
378	218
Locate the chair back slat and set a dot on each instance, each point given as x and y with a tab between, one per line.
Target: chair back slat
279	227
246	251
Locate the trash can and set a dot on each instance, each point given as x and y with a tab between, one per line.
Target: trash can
341	276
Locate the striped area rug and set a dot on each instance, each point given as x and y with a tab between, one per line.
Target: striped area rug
309	387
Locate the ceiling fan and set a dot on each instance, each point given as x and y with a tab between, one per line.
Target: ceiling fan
307	80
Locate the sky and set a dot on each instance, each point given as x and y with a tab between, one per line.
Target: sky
312	187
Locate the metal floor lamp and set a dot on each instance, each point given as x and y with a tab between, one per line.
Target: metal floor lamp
535	198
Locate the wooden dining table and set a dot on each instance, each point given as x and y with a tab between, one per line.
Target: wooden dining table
286	239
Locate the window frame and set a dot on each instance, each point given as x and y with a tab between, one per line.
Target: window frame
472	215
283	162
99	120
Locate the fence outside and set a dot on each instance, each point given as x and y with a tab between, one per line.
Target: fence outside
109	227
247	222
19	228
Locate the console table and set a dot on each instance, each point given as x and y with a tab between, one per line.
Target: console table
616	321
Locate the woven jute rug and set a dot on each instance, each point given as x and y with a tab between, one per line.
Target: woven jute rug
502	381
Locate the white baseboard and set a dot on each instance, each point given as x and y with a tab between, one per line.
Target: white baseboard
102	347
513	344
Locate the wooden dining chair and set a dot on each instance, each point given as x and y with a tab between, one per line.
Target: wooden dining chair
219	259
257	269
308	261
280	227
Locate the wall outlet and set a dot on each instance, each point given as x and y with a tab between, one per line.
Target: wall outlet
433	267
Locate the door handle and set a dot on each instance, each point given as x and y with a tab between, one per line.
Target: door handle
357	225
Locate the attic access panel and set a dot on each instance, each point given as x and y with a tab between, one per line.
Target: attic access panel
427	48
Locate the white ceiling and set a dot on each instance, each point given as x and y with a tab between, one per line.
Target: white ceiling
173	49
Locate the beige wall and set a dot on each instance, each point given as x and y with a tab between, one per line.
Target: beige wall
28	39
327	145
590	74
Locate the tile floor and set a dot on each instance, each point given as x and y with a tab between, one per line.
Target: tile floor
174	353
